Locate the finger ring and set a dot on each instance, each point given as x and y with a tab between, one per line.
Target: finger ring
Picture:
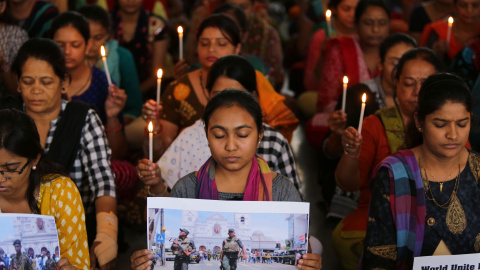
347	145
139	175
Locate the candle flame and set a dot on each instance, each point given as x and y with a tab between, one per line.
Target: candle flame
159	73
450	20
364	98
328	14
345	79
102	51
150	127
180	30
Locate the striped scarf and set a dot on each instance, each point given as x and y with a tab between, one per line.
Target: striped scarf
259	182
408	209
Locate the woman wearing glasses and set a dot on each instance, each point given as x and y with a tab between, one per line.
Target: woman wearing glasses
31	184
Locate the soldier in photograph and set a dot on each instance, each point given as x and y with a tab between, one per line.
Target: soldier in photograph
19	260
230	249
181	248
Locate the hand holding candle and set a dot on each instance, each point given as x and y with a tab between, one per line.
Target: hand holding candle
180	43
449	31
104	59
344	97
150	141
328	16
362	112
159	82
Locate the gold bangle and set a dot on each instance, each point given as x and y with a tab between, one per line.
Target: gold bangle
163	194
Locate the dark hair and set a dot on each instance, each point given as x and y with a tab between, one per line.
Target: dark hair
43	248
333	4
73	18
41	49
7	17
96	14
234	67
231	97
19	135
435	92
393	40
421	53
240	16
225	24
364	4
17	242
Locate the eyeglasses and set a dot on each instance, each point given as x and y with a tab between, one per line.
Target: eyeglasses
10	174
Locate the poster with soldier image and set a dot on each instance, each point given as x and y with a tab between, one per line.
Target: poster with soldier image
189	234
28	242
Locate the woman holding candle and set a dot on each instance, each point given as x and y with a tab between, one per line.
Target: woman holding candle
427	12
342	23
372	22
380	138
89	84
146	36
185	99
425	199
119	60
465	27
233	126
31	184
72	135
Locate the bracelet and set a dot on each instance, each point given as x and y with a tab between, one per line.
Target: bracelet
117	129
155	132
349	155
163	194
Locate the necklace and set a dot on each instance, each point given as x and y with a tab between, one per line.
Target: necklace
87	81
455	218
203	87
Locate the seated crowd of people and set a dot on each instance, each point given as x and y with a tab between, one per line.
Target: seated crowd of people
80	81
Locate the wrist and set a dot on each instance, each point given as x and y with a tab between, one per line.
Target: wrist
155	131
350	155
160	190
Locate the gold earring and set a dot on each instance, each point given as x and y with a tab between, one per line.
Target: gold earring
420	129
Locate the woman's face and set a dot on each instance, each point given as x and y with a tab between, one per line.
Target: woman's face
212	44
345	13
373	26
11	182
130	6
40	87
391	60
468	11
73	46
445	131
233	138
98	37
413	74
222	83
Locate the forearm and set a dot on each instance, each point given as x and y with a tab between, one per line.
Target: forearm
347	174
106	204
116	138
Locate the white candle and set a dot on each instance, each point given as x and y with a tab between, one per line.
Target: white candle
159	82
344	97
328	16
104	59
449	31
150	141
362	112
180	43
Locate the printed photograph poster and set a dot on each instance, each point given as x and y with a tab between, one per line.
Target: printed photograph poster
227	235
28	240
448	262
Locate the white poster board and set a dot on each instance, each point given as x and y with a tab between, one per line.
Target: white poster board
451	262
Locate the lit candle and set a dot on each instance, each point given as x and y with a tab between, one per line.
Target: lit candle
328	15
449	31
159	82
104	59
344	98
180	44
150	141
362	112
